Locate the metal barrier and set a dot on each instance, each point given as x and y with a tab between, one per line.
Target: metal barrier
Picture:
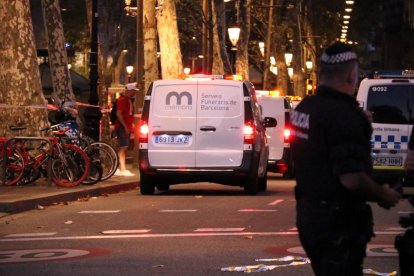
24	139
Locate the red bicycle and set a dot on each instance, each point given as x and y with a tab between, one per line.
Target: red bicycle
68	164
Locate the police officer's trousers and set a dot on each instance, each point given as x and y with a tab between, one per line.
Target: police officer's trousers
334	235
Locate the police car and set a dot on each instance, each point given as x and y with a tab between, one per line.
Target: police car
390	99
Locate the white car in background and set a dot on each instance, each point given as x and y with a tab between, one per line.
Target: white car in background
278	137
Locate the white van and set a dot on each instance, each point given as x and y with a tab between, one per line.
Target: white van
278	137
390	99
202	129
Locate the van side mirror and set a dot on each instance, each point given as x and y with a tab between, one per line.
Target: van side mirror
269	122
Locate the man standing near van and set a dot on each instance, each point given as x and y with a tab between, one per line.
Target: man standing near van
124	126
331	151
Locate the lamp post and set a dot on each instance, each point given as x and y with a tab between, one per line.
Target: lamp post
93	114
139	53
129	70
234	35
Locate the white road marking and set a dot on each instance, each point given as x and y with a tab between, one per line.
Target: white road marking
30	235
116	232
100	212
36	255
395	229
178	211
277	201
257	210
404	212
373	250
175	235
218	229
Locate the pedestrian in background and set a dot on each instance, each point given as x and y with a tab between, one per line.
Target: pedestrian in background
124	126
331	151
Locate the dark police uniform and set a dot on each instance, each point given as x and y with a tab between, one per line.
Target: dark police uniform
331	138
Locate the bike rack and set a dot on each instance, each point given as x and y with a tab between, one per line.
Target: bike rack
23	138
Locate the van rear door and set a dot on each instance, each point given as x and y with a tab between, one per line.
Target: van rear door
274	107
220	124
172	123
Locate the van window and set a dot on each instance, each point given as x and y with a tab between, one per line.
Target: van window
389	104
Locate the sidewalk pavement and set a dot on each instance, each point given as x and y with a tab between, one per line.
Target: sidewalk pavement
14	199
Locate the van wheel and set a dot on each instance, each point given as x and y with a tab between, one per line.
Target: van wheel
251	185
147	186
163	187
263	183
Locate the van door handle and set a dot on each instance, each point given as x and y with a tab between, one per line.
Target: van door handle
208	128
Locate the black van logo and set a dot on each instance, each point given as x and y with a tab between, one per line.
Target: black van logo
178	97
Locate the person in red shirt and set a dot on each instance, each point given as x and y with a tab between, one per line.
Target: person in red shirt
124	126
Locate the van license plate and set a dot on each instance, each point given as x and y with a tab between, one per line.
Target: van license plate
387	161
172	139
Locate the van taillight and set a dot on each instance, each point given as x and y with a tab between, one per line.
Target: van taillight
248	133
286	134
143	132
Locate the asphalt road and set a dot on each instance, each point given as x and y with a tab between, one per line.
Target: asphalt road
193	229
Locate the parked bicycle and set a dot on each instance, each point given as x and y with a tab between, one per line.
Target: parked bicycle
69	164
102	152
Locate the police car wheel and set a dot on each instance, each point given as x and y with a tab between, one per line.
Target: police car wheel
163	187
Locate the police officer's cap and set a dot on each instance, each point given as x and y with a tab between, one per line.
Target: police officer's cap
338	52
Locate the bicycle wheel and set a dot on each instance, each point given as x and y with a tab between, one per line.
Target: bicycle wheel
107	155
95	173
13	167
70	167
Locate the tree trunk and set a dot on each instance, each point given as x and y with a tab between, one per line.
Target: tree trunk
171	62
21	96
58	60
242	61
150	44
266	70
217	64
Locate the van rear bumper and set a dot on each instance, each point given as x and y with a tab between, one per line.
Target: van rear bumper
234	176
279	165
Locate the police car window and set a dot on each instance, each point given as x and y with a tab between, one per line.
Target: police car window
389	104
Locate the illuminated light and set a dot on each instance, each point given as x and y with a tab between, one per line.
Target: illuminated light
187	70
290	72
347	16
286	134
282	168
344	31
248	132
143	132
274	93
234	34
349	2
348	9
262	47
344	27
346	22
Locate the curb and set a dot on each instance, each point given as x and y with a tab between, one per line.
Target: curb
22	205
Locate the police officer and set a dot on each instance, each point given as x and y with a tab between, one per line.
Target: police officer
331	151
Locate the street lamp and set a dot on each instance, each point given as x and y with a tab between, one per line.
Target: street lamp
290	72
129	70
187	70
234	35
309	64
262	48
288	58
